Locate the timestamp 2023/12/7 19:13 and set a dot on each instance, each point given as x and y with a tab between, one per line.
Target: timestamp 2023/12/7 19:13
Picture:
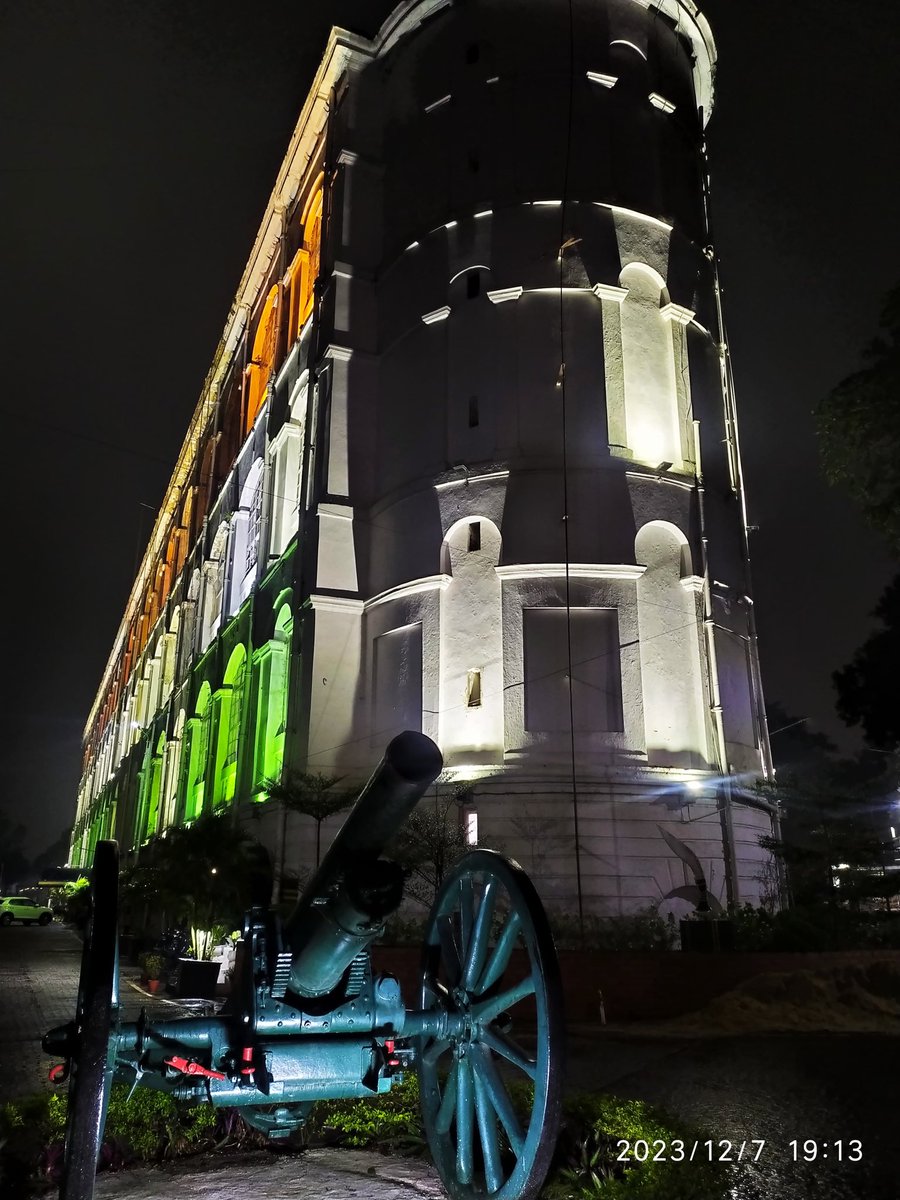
724	1150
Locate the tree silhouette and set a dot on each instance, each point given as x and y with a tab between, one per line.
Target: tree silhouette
867	685
859	437
858	426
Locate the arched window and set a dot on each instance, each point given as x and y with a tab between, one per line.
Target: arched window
229	703
150	780
272	670
197	752
247	526
305	267
285	465
652	426
669	624
214	579
469	284
169	654
188	625
171	774
262	359
471	645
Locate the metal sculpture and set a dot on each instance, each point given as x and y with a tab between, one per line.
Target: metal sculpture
308	1020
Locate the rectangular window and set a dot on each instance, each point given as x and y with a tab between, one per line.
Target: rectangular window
473	412
596	672
397	694
473	689
474	535
254	526
736	691
470	827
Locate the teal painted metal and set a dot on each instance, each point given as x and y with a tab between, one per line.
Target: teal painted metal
491	1085
308	1020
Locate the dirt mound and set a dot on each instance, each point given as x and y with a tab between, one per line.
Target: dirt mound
862	999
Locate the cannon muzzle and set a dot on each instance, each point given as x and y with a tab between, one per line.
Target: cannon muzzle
343	907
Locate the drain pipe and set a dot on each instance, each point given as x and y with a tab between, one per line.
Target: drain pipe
715	699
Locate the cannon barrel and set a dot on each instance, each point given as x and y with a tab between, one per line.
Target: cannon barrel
342	908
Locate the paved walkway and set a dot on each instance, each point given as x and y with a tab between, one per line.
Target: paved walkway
316	1175
38	984
39	971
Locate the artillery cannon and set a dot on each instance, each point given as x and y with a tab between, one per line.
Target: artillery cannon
308	1020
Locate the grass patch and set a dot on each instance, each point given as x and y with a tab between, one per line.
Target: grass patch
151	1127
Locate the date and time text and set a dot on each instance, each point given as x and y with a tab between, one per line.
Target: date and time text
798	1150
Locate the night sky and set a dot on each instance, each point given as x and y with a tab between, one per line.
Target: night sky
140	144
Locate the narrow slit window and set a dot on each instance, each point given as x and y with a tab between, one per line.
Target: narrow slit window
473	53
473	285
473	689
474	535
473	412
470	827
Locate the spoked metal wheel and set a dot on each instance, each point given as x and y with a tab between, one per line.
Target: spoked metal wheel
491	1076
92	1039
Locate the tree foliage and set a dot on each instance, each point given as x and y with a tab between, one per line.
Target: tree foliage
834	812
14	864
859	429
867	685
859	438
204	875
430	842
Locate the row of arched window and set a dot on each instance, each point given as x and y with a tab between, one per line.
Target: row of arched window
229	743
282	316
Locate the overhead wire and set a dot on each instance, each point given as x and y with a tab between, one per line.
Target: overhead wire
565	468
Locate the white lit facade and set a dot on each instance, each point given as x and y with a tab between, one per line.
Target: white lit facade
481	479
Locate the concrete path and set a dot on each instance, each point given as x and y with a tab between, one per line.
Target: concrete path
315	1175
39	971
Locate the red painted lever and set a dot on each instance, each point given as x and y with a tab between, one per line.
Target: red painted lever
193	1068
58	1073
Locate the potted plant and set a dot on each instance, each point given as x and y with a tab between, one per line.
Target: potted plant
152	967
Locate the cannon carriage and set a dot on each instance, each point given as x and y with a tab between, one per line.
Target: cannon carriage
308	1020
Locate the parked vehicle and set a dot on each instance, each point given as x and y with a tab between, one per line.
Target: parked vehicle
24	909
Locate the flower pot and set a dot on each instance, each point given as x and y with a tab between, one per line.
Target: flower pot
197	979
152	985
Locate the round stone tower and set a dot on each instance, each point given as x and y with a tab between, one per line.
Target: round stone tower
529	535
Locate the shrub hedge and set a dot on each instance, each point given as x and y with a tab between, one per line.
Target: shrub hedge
151	1127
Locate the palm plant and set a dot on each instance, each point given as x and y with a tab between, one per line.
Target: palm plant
310	794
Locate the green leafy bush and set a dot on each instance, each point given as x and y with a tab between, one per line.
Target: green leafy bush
587	1156
644	930
75	902
585	1164
390	1122
810	929
151	1126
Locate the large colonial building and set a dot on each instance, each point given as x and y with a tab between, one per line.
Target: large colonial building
466	461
